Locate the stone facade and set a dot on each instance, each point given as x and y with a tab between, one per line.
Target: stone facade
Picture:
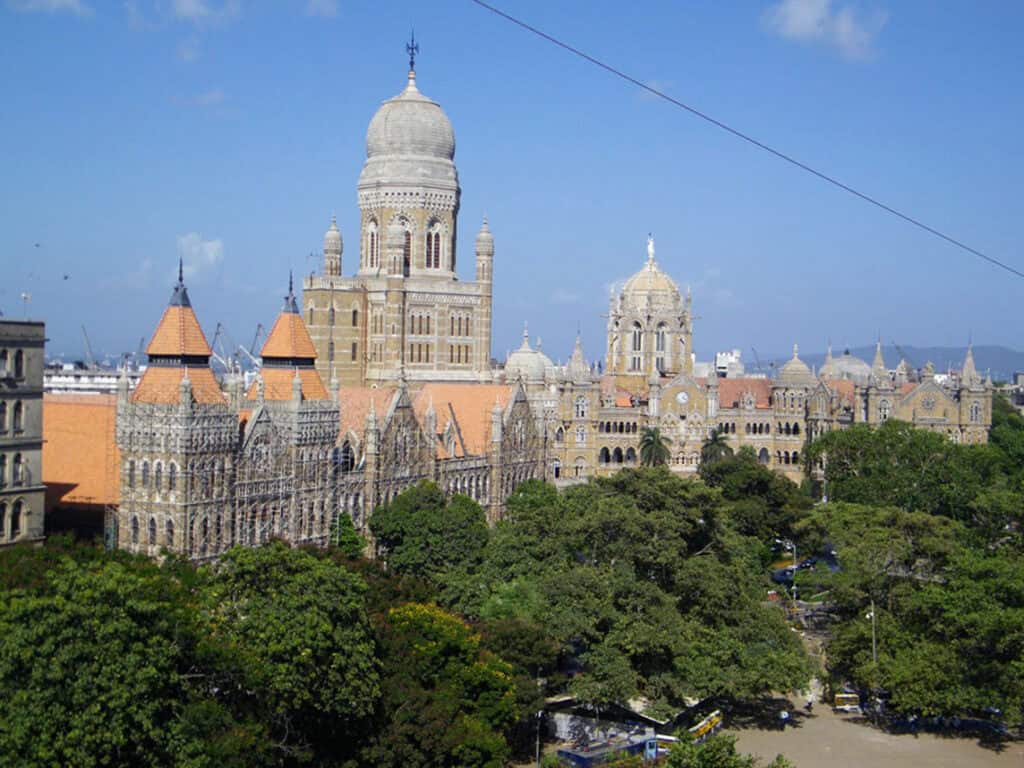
21	431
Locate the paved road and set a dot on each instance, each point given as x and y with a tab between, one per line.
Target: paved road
832	740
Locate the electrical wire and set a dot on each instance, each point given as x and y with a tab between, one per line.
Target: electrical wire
749	139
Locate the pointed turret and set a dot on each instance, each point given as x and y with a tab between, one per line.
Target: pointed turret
578	369
969	374
484	253
178	352
289	354
332	249
879	373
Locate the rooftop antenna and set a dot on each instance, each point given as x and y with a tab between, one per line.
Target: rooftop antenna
412	48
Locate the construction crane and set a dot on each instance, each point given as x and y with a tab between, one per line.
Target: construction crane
903	354
90	361
757	361
140	353
219	352
257	340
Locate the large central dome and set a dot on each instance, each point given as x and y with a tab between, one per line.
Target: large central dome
410	124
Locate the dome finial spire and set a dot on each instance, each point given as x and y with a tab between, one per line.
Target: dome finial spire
650	248
181	270
412	48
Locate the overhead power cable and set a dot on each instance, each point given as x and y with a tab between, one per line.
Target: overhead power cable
749	139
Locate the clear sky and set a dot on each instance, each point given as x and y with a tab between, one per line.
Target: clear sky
132	132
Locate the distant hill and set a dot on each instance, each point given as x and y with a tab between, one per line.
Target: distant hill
1001	361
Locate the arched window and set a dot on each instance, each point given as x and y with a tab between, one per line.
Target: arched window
158	472
659	347
763	457
17	510
346	457
3	469
796	457
975	411
355	350
581	435
355	317
169	531
3	417
605	456
559	436
145	474
3	521
151	533
18	470
172	476
796	428
135	530
637	347
617	456
581	407
630	456
580	468
372	245
310	314
131	473
556	468
18	421
883	410
19	364
406	253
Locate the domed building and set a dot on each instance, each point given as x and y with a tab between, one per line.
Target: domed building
531	366
404	312
649	325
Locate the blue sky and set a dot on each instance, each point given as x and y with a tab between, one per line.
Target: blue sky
228	132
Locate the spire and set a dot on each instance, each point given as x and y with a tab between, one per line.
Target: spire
828	354
412	48
290	305
878	365
969	374
179	296
650	249
796	351
526	336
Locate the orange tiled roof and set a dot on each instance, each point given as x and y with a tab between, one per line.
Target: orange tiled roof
907	387
81	462
355	403
178	333
289	338
160	385
731	391
472	404
277	384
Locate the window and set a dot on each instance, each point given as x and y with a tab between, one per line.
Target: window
135	530
330	351
311	314
330	315
151	533
975	412
158	472
580	468
355	317
346	457
630	456
434	248
372	245
3	469
581	435
637	347
3	417
559	436
145	474
581	407
883	410
131	473
4	362
428	323
16	513
19	364
3	521
169	531
18	422
172	476
556	468
355	350
617	456
18	470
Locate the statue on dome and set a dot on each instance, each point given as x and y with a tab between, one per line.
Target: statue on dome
650	247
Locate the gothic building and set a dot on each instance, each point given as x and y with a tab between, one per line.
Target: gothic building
404	312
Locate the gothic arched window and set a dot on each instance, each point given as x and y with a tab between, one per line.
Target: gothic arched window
169	531
559	436
135	530
16	512
172	476
19	364
158	472
145	474
3	417
372	245
975	411
355	317
637	347
151	532
3	469
18	421
581	407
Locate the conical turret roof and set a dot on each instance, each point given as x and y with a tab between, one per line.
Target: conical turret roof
178	333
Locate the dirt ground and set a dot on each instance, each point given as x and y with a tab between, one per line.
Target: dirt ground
832	740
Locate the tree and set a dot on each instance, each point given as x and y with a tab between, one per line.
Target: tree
654	447
447	701
421	534
717	752
298	623
715	448
101	663
346	538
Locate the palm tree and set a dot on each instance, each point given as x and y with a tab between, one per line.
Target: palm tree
654	447
715	448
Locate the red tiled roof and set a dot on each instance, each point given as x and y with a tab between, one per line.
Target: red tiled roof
160	385
842	387
472	405
355	403
277	384
731	391
178	333
289	338
81	461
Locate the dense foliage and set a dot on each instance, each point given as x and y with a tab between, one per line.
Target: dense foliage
928	532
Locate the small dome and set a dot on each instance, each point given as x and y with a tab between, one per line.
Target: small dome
484	239
531	364
848	367
650	283
332	238
410	124
795	372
